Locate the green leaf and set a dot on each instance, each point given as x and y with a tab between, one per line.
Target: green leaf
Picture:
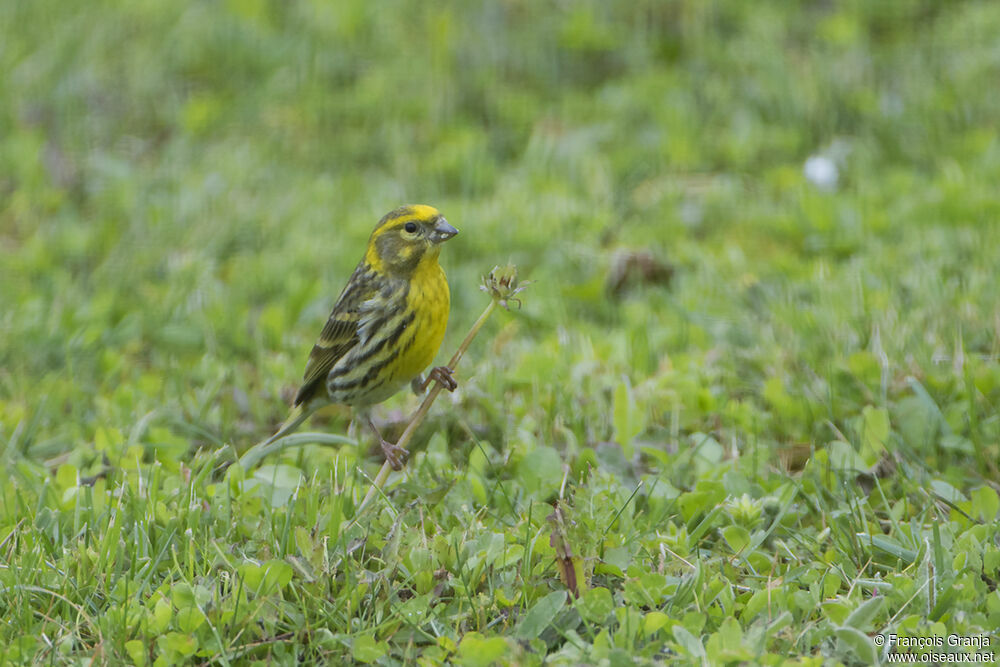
541	615
629	419
755	605
991	561
726	644
691	644
831	583
137	652
707	450
512	555
843	457
874	434
615	561
66	476
189	619
889	546
476	651
862	618
836	611
365	649
860	643
985	503
253	575
180	644
917	421
20	649
182	595
267	578
304	541
957	443
737	537
161	616
541	470
654	621
281	480
595	605
945	603
780	622
947	491
277	574
648	589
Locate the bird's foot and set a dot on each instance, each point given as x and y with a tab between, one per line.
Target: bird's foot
395	455
442	374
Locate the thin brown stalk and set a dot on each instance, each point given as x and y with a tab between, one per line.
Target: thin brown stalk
425	406
503	286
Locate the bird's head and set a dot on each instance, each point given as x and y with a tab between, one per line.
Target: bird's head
407	236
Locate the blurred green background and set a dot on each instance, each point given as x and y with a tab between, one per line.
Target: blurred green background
186	186
753	229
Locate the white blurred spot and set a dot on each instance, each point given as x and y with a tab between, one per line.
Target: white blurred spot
821	172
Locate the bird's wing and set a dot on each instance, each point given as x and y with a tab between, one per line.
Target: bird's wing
343	330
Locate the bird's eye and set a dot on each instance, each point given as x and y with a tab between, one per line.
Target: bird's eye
410	227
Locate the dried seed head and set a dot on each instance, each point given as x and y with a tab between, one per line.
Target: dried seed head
502	284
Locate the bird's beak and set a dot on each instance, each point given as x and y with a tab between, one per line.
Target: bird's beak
442	231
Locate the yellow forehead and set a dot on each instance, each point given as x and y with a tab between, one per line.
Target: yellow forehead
422	212
411	213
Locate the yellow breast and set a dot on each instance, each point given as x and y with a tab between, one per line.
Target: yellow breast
430	301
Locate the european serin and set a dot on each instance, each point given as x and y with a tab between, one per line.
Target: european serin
387	324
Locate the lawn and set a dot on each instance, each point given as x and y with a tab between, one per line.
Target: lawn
748	410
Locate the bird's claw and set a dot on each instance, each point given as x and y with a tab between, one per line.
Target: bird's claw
395	455
444	375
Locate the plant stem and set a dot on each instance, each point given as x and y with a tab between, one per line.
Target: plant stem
421	413
256	453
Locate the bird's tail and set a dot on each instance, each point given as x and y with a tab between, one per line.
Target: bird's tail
299	414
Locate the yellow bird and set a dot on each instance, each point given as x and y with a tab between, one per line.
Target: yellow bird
387	325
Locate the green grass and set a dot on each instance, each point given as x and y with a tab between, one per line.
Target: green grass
184	187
